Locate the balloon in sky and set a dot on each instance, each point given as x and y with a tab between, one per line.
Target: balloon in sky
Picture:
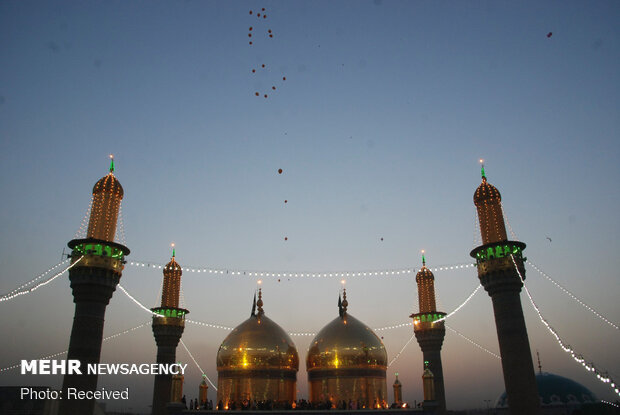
549	34
279	171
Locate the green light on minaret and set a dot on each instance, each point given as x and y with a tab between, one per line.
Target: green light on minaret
423	259
111	163
173	251
484	176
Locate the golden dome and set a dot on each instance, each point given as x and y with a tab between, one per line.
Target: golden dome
346	343
257	344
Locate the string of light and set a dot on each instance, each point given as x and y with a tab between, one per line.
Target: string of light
142	306
16	293
590	367
401	351
571	295
473	342
610	403
460	306
514	237
334	274
223	327
113	336
84	224
197	365
121	225
34	279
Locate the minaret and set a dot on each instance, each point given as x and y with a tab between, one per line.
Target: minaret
496	259
398	392
429	332
98	265
168	325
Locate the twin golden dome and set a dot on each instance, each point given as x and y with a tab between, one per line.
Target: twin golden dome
259	361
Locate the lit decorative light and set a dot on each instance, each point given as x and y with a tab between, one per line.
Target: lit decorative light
571	295
113	336
252	273
197	365
459	307
401	351
16	293
578	358
473	342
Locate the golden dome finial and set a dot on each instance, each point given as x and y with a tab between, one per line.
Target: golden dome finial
345	303
259	303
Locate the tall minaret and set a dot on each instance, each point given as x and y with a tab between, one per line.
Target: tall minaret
496	259
168	327
429	332
98	264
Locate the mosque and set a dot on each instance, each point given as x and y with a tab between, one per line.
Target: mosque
257	363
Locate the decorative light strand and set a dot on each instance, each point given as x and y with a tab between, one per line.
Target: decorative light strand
197	365
35	279
15	366
459	307
571	295
401	351
142	306
202	323
514	237
15	293
121	225
220	326
473	342
335	274
81	232
409	323
590	367
610	403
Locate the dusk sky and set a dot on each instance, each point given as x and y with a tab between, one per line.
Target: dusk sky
386	108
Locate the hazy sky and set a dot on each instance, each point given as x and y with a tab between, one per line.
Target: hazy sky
386	108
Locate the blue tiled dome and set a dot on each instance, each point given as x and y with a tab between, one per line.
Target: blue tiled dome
556	390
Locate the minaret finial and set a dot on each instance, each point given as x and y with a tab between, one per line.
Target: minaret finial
173	250
482	173
111	163
259	303
345	303
423	259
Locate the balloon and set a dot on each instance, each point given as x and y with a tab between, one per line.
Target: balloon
285	201
273	87
250	28
285	238
249	34
253	70
279	171
270	35
284	78
269	31
265	95
256	93
250	42
250	11
263	65
549	34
